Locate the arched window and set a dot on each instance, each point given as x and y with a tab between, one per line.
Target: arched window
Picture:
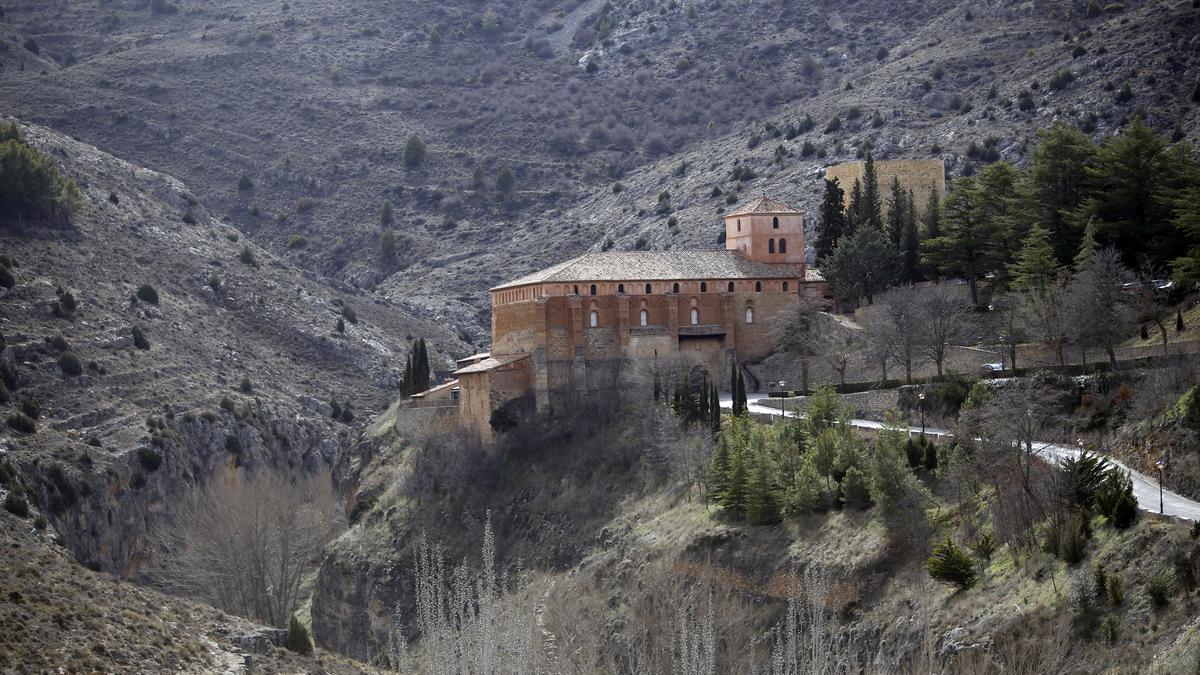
739	224
644	318
647	289
594	318
758	287
576	289
771	246
749	314
593	289
695	316
620	288
703	286
783	245
731	287
785	287
675	287
775	222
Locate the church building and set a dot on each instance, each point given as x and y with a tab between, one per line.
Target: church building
574	326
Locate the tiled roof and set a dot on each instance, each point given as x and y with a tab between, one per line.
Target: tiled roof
813	274
763	204
491	363
656	266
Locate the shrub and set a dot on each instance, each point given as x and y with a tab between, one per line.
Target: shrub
246	257
506	180
341	325
16	505
1078	51
1109	628
1116	590
246	386
939	71
163	7
214	282
70	364
949	564
139	339
350	314
834	125
149	458
244	183
297	637
146	293
414	152
233	444
297	241
32	408
21	422
188	217
881	53
1158	589
1125	94
1025	101
7	280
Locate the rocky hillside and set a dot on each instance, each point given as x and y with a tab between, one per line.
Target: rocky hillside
58	616
151	345
313	107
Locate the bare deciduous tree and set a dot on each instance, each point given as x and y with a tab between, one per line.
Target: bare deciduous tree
899	326
1045	314
943	314
799	333
1098	304
245	543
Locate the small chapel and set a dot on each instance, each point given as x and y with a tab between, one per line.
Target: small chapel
572	327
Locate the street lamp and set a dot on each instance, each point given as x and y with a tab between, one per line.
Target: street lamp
921	398
1161	464
783	394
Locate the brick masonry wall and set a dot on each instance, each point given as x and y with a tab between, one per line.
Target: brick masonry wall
919	175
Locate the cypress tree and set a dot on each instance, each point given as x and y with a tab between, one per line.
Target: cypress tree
741	393
855	214
406	386
872	204
895	219
1179	321
833	219
715	401
910	242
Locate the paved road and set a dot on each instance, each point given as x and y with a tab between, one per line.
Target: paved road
1145	488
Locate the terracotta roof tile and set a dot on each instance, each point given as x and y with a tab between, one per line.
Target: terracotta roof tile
656	266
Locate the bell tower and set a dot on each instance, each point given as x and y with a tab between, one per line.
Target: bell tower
768	231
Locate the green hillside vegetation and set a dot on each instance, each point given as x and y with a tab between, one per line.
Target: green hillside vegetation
31	187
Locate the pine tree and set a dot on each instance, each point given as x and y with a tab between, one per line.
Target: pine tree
762	500
1036	265
1088	247
833	219
1058	183
718	469
733	499
856	492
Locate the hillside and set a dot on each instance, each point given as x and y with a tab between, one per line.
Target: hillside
56	614
595	512
314	106
237	343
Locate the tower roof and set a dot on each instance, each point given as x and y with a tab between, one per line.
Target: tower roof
763	204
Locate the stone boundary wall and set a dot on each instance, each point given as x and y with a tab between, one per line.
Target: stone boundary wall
919	175
413	421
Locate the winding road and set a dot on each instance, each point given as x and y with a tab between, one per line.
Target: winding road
1145	488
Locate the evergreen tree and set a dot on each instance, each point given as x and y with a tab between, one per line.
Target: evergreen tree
762	500
833	219
718	469
872	202
715	406
734	497
386	214
804	494
1036	265
506	180
966	245
407	385
341	325
856	492
742	405
825	452
932	219
898	207
910	243
1058	183
1187	219
855	213
414	152
863	264
1088	246
387	245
